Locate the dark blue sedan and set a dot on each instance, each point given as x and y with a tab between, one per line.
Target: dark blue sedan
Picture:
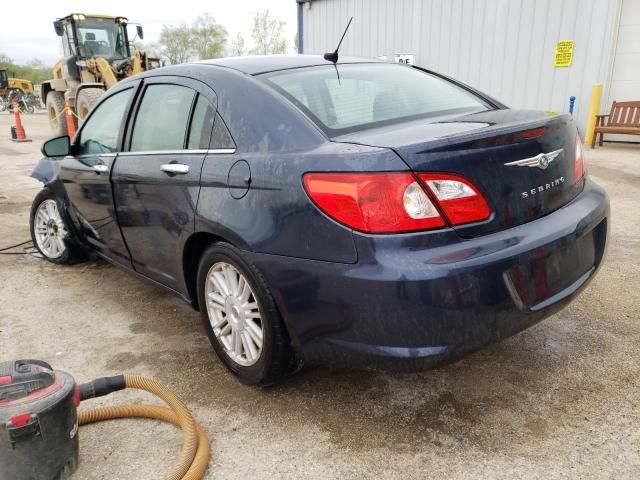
358	213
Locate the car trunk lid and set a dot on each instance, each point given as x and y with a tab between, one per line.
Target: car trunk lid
500	152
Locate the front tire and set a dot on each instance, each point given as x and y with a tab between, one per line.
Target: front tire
55	109
241	318
49	232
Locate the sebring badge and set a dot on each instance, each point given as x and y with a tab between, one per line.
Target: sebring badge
541	160
538	189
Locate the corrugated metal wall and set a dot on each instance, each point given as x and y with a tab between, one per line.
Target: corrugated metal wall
502	47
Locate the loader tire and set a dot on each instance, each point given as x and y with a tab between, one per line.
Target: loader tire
55	109
87	98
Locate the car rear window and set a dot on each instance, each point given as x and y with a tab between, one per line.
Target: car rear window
346	98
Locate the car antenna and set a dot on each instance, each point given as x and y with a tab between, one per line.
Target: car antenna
333	56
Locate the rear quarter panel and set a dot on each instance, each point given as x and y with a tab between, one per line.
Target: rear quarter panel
276	216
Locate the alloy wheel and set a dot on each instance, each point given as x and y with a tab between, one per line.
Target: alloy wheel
49	229
234	313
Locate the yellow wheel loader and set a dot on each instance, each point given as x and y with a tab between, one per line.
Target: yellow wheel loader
97	55
8	83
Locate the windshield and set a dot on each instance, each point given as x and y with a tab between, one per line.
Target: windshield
101	37
346	98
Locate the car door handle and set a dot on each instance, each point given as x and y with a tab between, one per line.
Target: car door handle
100	168
175	168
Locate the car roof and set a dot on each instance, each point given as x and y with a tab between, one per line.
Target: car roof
257	64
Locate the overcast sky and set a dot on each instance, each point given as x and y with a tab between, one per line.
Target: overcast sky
30	35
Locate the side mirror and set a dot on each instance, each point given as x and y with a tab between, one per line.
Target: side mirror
56	147
58	27
140	32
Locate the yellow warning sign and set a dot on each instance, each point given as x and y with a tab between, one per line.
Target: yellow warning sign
564	53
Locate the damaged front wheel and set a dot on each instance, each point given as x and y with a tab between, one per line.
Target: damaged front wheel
49	231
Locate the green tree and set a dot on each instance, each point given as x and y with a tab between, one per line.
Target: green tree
176	43
203	39
208	38
237	46
5	60
267	34
36	63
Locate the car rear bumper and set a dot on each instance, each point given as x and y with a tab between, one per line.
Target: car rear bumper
413	301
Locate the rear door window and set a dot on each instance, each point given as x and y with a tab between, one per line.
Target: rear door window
163	118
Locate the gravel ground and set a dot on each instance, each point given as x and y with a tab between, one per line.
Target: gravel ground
560	400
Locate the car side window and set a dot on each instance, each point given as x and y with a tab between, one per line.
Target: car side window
221	138
100	132
201	124
163	118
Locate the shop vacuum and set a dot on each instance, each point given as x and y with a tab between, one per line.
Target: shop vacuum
39	421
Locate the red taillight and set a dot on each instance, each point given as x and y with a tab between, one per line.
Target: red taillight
459	199
373	202
578	162
395	202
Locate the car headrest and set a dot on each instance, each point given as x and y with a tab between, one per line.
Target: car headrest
90	36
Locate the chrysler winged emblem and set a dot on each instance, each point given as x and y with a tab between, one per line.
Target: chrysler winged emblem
541	160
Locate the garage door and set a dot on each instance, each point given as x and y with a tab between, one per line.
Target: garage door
625	80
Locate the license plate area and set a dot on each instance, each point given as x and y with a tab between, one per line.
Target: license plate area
546	275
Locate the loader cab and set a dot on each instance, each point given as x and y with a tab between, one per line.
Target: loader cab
4	78
87	36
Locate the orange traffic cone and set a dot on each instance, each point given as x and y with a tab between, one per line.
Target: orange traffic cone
71	123
20	135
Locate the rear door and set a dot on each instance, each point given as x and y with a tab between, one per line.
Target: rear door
156	182
86	175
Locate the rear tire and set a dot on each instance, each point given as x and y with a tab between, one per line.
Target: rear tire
86	100
49	232
244	313
55	109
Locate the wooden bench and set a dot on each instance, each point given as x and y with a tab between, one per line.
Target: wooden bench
624	118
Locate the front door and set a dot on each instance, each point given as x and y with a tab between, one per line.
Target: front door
86	173
157	181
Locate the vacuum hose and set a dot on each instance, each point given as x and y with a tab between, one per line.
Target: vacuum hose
194	457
